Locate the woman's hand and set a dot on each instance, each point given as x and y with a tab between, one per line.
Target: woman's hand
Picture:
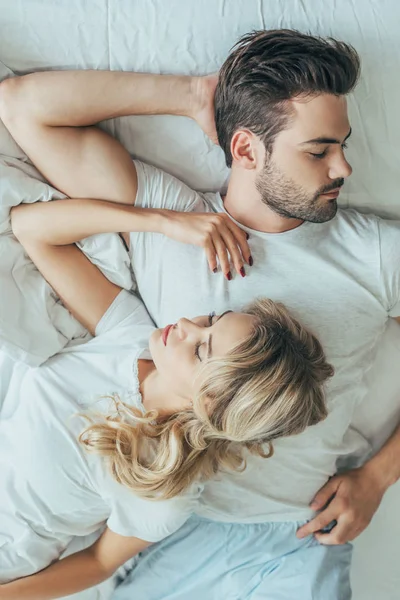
3	595
220	237
6	592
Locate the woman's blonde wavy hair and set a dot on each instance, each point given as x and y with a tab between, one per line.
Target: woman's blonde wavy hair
270	385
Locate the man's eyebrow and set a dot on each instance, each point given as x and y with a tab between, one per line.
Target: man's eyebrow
209	346
326	140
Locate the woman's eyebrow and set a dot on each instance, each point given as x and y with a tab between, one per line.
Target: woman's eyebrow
209	346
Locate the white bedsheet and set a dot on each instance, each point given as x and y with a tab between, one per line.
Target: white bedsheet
194	37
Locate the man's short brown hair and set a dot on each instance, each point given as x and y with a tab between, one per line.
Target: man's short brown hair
267	68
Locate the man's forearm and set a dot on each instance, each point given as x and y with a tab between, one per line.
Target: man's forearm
66	221
385	465
80	98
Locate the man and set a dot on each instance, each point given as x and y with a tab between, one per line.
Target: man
282	122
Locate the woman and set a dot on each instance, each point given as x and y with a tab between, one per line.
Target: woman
181	403
137	413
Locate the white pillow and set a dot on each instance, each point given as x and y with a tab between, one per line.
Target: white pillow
7	145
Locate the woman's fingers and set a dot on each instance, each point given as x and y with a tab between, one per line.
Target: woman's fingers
241	238
229	252
222	253
235	240
211	255
231	244
222	240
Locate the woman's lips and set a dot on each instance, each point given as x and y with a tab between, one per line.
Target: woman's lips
165	333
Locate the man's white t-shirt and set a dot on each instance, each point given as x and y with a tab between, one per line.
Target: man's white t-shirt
51	489
341	278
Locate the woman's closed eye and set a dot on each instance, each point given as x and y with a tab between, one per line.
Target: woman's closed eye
199	344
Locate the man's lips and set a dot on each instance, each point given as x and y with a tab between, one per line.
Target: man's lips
333	193
165	333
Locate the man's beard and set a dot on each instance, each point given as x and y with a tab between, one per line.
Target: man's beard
290	200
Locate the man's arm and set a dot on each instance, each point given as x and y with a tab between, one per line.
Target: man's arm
352	498
385	465
77	572
50	116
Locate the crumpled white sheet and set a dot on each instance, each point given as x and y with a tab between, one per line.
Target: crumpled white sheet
34	324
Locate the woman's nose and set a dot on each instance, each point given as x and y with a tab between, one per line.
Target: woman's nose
186	328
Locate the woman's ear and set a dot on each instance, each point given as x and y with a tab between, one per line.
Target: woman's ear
202	405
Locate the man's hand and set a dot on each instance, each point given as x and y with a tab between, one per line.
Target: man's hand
202	109
351	499
220	237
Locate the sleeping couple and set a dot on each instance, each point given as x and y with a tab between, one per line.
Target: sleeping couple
209	445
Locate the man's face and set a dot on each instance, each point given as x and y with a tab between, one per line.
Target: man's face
303	173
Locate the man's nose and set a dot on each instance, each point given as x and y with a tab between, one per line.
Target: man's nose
340	169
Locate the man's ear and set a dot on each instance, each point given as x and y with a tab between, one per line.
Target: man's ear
245	149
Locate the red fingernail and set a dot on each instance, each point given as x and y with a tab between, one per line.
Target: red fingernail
242	272
229	275
251	261
215	270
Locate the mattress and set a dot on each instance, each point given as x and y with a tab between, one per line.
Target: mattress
181	36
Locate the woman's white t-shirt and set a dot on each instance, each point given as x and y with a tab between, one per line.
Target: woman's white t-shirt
51	489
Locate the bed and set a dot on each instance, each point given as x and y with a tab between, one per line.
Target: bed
194	37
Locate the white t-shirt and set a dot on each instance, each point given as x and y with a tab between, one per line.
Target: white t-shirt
51	489
341	278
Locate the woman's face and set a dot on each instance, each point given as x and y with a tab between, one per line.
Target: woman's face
179	351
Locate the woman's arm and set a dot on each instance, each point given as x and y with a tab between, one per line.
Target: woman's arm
67	221
45	229
77	572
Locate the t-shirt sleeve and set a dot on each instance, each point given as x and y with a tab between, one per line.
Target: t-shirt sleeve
149	520
389	246
158	189
126	320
